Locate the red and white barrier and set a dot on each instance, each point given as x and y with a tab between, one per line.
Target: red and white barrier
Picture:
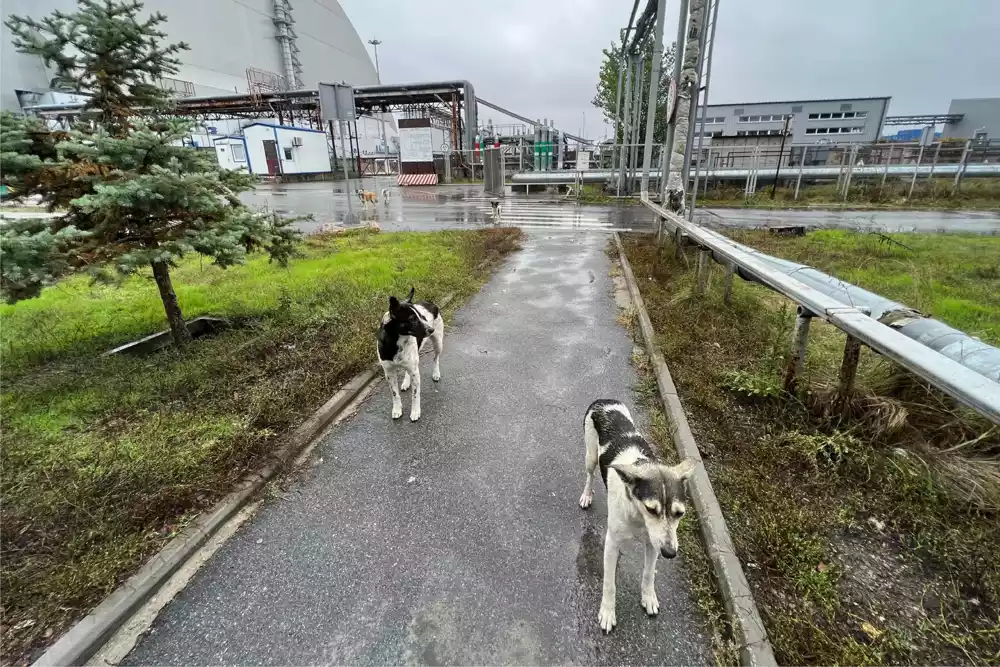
417	179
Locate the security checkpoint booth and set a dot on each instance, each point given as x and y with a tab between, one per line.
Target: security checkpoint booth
416	152
277	150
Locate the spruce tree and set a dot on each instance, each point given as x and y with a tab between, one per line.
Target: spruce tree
133	194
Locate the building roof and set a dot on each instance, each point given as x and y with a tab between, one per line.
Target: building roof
284	127
830	99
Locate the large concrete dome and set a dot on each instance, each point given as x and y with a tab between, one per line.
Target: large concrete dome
226	38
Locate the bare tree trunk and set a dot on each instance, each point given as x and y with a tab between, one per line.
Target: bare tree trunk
178	329
676	183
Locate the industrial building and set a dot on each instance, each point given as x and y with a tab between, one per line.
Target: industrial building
237	46
973	118
268	149
856	120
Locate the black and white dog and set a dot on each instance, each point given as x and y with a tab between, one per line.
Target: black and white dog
645	497
404	329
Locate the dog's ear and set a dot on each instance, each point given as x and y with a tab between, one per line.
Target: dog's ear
393	305
684	469
629	473
409	299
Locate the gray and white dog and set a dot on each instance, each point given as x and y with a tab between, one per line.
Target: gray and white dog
645	497
405	327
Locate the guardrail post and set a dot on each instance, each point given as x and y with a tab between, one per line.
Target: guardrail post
727	294
848	373
797	359
678	243
704	256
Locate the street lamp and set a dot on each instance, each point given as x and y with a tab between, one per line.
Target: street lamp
375	43
378	77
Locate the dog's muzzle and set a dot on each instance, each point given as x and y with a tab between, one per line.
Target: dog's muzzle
668	552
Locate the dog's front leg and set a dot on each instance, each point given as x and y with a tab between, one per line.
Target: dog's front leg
393	380
606	616
649	601
415	386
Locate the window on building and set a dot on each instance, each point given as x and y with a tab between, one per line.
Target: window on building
754	119
744	119
836	116
741	133
857	130
824	116
288	153
814	116
861	114
239	153
810	130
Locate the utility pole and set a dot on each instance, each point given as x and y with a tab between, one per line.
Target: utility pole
777	172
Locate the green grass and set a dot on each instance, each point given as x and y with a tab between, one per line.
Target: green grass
868	539
953	277
105	457
975	193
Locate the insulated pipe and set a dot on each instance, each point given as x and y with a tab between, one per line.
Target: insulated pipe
952	343
604	175
957	379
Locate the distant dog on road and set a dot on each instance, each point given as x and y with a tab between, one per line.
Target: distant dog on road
645	497
366	197
385	196
404	329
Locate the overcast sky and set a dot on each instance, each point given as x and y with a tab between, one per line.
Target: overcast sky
541	57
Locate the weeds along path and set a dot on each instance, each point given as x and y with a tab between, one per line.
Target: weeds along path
868	540
106	458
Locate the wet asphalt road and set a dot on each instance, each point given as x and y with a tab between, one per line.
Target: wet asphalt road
436	207
464	206
974	222
484	557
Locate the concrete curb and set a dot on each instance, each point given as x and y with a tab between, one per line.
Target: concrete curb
90	633
748	627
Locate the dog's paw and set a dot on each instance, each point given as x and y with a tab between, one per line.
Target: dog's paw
436	376
414	415
397	411
650	603
586	499
606	617
406	383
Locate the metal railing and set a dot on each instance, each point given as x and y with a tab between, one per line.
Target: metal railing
963	384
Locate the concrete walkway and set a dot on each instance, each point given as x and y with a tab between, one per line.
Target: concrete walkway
484	557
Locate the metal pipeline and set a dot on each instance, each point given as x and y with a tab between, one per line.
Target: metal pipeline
604	175
903	336
952	343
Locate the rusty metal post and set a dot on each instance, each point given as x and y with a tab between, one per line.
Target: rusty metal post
704	259
727	294
797	358
848	373
957	183
885	172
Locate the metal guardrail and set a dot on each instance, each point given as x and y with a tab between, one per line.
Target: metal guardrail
961	383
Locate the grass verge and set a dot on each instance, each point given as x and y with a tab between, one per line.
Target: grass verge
975	193
106	458
868	539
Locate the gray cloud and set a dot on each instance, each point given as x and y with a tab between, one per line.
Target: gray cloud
541	58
